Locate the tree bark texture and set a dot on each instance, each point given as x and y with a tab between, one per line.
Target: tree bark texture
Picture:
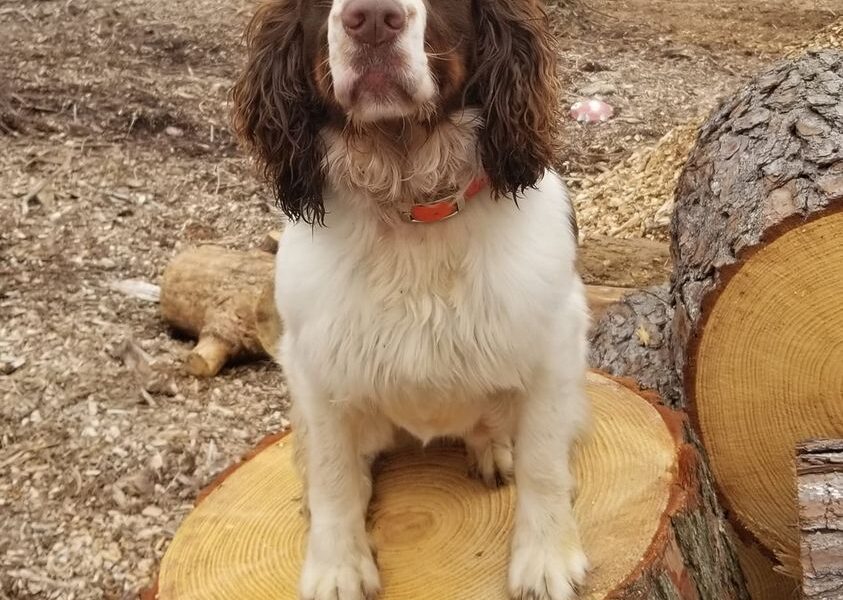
631	339
769	158
819	468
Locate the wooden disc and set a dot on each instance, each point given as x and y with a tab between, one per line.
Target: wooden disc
768	373
439	534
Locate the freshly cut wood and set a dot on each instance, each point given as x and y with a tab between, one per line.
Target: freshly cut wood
210	293
819	468
757	333
631	340
647	519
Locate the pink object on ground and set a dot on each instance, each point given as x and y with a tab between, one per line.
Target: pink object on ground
591	111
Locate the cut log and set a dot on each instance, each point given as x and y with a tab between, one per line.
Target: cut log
819	467
227	299
646	517
757	334
210	293
631	339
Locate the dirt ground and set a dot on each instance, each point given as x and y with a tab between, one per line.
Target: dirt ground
115	153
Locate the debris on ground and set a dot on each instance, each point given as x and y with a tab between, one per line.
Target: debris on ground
635	199
591	111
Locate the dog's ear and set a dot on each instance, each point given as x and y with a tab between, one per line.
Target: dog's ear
515	83
276	113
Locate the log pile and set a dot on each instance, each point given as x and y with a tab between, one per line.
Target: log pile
752	323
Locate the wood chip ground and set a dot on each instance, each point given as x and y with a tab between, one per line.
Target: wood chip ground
115	153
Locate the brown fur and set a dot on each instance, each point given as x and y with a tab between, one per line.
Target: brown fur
275	111
496	55
515	82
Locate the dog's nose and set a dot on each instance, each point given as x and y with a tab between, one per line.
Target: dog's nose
373	22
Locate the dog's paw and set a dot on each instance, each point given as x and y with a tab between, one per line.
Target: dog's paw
543	573
354	577
491	461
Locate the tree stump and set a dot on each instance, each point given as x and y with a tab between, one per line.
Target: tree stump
645	509
757	334
819	467
211	293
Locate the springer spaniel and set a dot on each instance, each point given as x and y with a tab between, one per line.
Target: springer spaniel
426	278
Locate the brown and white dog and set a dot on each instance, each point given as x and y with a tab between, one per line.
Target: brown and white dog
426	278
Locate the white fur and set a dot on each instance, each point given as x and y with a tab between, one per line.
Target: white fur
410	51
473	327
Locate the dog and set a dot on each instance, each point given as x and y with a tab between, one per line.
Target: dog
426	277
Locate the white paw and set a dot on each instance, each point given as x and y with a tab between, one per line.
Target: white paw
543	573
491	461
351	577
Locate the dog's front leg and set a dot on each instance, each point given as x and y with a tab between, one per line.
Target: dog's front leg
339	563
547	561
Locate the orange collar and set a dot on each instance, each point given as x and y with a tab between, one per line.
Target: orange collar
447	207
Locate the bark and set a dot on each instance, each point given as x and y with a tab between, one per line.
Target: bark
768	159
630	339
819	468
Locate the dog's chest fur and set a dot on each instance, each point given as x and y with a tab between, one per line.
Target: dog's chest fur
426	322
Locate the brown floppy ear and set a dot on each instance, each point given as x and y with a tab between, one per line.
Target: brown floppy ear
276	112
516	85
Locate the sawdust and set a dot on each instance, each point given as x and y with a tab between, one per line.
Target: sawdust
635	199
829	37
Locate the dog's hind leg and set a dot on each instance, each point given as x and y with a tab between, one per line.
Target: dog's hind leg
489	445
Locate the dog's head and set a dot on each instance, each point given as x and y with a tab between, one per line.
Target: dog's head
333	63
